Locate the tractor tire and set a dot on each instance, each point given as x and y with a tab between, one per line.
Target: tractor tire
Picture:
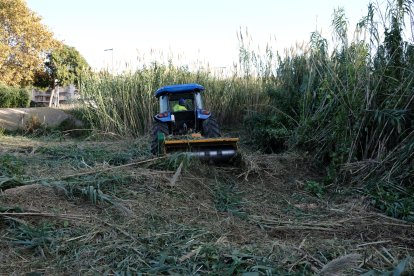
211	128
157	127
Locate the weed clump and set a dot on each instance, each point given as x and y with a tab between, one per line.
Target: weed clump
11	166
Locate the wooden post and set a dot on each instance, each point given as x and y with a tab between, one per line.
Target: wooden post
57	97
51	97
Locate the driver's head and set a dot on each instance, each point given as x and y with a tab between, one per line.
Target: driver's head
181	101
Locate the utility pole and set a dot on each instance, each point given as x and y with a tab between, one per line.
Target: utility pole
112	51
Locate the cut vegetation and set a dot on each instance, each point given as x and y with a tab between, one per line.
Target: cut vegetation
109	207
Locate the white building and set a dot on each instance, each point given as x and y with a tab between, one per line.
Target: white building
55	97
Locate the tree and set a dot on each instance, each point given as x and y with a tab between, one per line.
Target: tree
24	42
66	65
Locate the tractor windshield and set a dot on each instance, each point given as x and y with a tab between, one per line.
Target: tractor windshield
186	103
192	101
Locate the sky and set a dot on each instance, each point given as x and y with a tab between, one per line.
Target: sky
190	32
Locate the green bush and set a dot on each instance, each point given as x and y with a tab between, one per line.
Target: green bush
13	97
396	203
267	132
23	99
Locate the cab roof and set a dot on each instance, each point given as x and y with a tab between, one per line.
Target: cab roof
179	88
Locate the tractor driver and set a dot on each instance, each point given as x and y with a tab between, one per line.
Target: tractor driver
180	106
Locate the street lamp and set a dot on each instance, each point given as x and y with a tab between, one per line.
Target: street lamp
112	51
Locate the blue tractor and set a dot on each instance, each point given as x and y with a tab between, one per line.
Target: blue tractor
184	125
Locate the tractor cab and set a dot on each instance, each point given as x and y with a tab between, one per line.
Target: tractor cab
185	117
183	125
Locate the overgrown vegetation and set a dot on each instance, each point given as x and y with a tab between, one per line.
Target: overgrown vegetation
350	102
353	108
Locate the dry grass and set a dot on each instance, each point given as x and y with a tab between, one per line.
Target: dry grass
264	216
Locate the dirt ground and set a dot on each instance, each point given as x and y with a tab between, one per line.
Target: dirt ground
108	207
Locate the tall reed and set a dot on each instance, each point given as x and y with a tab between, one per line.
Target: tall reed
352	105
125	104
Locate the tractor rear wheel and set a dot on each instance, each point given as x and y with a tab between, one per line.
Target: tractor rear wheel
157	129
211	128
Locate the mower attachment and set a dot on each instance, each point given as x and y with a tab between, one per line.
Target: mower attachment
204	148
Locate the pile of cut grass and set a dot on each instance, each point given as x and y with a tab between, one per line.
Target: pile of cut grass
264	217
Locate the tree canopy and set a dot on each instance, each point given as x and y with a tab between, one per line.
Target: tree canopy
24	42
66	65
